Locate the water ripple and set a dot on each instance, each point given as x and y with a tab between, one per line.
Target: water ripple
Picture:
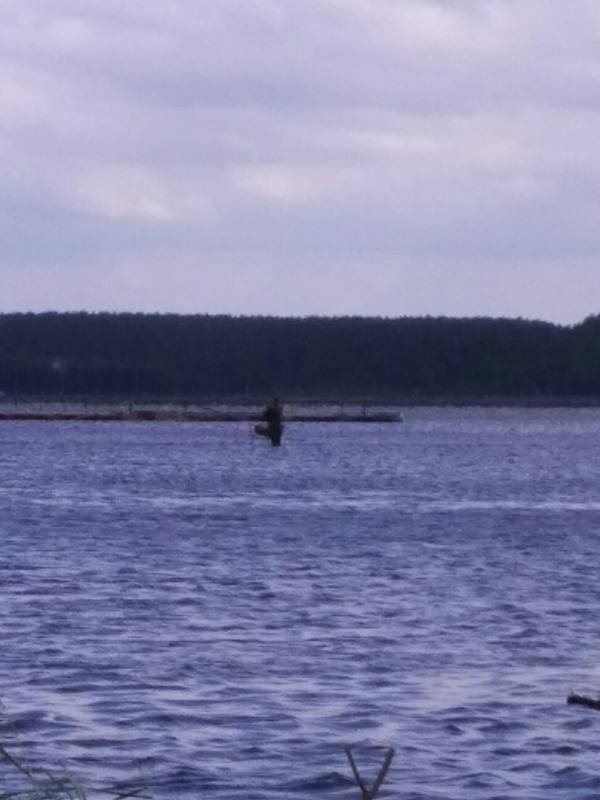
184	608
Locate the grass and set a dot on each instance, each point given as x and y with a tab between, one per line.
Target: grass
22	783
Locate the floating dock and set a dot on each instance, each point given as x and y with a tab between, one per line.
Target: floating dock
207	415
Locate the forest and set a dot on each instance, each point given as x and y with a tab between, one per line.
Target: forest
410	359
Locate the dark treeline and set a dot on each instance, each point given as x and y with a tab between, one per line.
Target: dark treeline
168	355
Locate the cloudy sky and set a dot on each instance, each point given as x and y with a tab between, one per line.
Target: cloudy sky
385	157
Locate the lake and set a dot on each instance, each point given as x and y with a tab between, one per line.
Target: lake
184	606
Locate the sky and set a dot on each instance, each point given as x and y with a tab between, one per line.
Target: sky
296	157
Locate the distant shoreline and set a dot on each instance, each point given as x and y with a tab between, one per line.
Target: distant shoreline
400	362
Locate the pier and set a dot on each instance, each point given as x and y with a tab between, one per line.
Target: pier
73	412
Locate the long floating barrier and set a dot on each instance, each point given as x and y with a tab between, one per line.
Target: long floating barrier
143	415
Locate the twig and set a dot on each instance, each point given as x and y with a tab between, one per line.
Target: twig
371	794
383	771
357	778
20	767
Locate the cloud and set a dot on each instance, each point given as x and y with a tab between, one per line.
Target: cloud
419	132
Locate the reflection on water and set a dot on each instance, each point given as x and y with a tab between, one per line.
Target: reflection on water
188	605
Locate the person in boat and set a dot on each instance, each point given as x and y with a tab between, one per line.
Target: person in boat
273	418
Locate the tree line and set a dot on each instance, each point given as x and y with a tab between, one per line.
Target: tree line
183	356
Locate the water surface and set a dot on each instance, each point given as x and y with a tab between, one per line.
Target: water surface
184	605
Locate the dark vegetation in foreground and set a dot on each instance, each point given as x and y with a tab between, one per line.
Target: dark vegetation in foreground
405	359
21	782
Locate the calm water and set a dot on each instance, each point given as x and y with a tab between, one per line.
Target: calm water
185	605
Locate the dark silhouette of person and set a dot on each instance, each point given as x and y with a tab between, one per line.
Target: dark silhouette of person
273	416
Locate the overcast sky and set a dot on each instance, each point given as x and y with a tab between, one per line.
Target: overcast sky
385	157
